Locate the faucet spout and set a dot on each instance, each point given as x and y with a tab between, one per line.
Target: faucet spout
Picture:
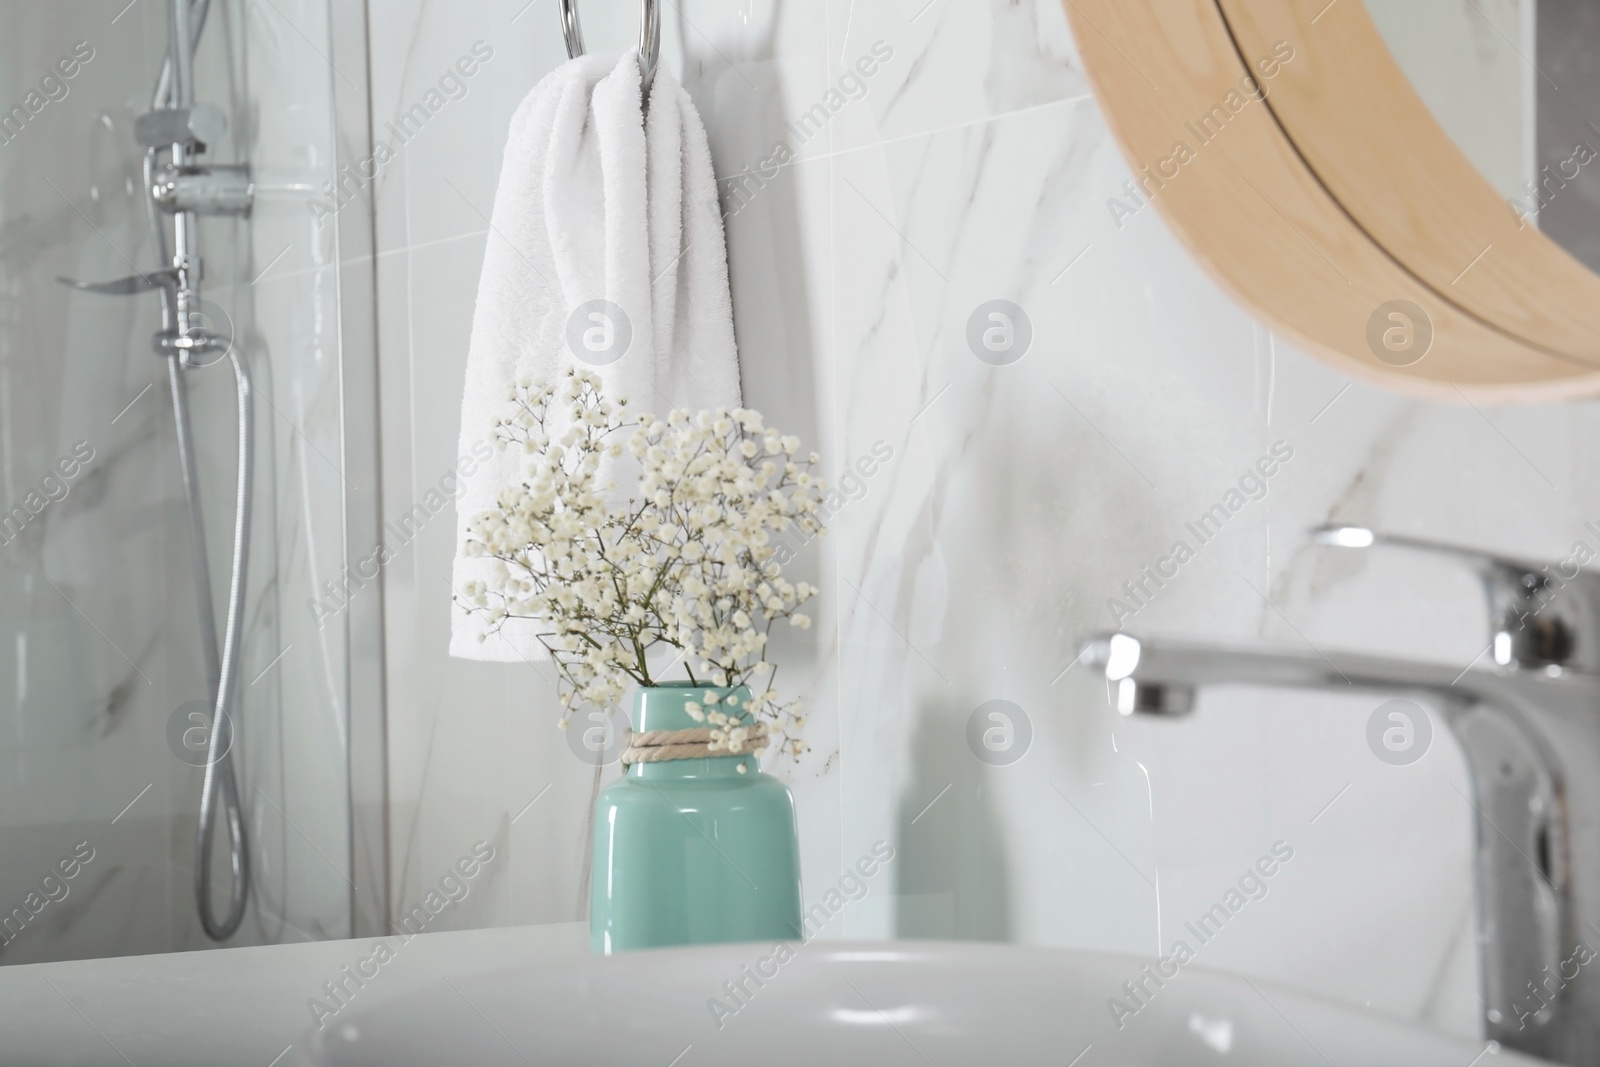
1134	662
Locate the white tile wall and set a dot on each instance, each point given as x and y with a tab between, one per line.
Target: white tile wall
974	166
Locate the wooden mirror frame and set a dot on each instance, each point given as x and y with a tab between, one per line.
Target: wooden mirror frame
1286	148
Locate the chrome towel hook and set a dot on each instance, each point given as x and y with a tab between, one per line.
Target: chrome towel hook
649	36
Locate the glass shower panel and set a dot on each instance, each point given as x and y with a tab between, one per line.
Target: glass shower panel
104	698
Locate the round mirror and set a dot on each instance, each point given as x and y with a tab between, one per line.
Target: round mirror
1401	186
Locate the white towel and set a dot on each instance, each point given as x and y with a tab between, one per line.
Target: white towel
596	202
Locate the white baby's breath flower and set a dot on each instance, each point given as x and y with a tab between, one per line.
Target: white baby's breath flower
685	560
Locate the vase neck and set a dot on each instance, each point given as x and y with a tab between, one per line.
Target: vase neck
666	707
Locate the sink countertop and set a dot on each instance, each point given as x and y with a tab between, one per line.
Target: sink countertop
232	1006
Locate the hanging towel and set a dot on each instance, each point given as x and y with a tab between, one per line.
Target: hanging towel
602	205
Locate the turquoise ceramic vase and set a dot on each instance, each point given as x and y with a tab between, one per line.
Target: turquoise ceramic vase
695	851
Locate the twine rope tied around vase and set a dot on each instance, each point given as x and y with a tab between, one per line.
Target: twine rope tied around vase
658	746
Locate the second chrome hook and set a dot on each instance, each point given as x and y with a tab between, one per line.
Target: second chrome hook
649	36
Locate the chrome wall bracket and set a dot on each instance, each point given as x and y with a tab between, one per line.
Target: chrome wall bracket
217	189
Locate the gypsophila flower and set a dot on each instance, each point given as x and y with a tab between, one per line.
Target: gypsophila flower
685	561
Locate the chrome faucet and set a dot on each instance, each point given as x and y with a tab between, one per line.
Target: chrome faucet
1529	726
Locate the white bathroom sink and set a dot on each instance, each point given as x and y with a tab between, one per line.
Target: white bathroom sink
890	1003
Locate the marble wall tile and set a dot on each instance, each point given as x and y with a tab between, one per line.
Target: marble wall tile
471	746
1005	508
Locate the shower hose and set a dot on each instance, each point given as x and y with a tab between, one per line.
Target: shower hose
221	783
